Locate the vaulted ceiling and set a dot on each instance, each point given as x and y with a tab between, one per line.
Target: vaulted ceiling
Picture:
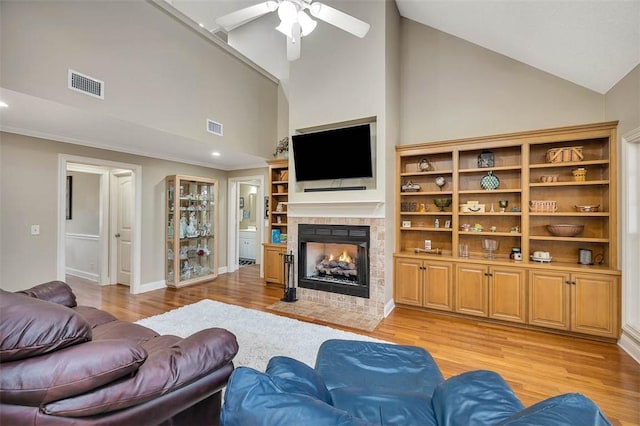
592	43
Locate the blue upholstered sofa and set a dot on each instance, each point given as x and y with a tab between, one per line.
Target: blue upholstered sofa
368	383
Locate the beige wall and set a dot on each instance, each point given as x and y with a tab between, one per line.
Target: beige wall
623	102
453	89
85	205
157	72
339	78
392	114
28	183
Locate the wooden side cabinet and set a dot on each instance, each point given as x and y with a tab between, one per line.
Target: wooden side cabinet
497	292
274	263
579	302
424	283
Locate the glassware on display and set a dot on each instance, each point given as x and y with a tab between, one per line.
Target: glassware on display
490	246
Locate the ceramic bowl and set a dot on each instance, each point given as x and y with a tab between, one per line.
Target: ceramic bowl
592	208
565	229
441	203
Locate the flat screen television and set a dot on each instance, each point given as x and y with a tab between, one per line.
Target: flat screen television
333	154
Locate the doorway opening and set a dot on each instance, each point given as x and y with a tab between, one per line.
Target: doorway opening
99	221
246	221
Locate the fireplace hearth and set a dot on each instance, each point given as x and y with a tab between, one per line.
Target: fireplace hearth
334	258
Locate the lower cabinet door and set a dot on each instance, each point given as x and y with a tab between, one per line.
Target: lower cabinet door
408	281
549	299
438	285
594	307
471	290
273	264
507	294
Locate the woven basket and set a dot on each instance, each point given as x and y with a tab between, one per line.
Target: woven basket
565	154
580	174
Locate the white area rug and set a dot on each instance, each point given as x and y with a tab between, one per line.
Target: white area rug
260	335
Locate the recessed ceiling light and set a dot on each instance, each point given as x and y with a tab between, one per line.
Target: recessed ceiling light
216	154
3	104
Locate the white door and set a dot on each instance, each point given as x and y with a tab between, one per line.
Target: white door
124	223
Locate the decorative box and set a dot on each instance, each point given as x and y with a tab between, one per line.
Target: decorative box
472	207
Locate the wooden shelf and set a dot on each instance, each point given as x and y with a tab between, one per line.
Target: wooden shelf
519	163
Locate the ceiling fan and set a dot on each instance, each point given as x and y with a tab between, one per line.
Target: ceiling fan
295	23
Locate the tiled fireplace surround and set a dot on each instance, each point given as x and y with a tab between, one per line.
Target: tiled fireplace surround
374	305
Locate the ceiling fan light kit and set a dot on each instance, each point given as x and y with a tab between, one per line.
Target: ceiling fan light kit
294	21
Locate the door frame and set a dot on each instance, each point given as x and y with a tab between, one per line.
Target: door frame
103	214
136	252
630	149
233	196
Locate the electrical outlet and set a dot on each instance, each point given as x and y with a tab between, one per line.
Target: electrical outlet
35	229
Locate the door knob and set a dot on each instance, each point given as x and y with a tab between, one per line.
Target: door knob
117	235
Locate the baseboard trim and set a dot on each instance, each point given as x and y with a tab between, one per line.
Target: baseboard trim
389	307
83	274
155	285
630	345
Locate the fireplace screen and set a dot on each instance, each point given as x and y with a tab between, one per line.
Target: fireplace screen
334	258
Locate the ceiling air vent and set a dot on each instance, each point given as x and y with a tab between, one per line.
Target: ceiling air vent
213	127
85	84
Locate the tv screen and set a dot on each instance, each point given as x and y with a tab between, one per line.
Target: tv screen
333	154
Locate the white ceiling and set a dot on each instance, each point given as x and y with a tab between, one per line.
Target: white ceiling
592	43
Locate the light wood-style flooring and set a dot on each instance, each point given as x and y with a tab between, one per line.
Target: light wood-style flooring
537	365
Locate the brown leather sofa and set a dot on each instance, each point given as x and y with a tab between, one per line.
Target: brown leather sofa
62	364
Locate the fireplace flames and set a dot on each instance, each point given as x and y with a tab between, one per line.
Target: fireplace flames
343	266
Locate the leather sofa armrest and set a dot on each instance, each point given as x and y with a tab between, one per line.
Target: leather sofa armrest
53	291
172	363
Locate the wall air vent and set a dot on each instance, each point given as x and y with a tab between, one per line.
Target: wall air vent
213	127
85	84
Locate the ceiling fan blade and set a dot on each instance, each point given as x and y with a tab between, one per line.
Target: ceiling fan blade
293	43
339	19
242	16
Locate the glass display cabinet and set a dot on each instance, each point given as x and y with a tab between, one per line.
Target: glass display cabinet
191	230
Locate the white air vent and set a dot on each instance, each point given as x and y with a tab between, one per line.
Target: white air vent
213	127
85	84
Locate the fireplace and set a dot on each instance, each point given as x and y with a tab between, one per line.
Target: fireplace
334	258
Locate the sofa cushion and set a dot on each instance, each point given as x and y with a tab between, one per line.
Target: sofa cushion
94	316
53	291
123	329
69	371
171	364
474	398
385	407
562	410
377	365
252	398
294	376
30	327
